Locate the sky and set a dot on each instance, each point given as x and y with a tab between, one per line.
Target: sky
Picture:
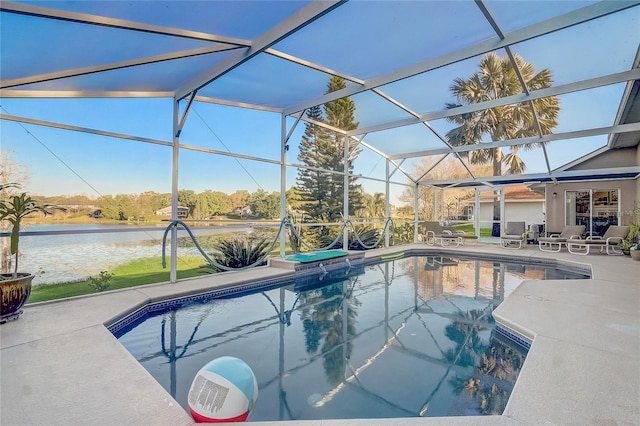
61	162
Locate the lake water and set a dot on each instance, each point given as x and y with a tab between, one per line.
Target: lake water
71	257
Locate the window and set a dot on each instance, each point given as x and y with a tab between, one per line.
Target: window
595	209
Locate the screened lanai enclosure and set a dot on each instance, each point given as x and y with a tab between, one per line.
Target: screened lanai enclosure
346	117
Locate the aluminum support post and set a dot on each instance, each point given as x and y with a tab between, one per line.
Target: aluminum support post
345	191
173	275
502	218
283	182
416	196
476	212
387	211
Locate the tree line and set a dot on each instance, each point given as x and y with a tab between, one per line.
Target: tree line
203	205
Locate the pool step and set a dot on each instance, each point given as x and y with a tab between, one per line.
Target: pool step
319	266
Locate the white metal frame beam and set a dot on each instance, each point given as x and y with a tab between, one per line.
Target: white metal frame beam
413	113
66	94
313	66
85	18
299	20
226	102
81	129
536	177
576	17
622	128
132	138
562	89
114	66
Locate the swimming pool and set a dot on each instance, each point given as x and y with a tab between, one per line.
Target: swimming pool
407	338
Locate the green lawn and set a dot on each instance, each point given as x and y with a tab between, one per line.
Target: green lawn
135	273
468	229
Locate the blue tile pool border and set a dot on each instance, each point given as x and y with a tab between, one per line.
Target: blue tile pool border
117	325
575	268
513	335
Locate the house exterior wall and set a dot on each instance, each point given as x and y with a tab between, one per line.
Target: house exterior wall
638	180
555	206
532	212
629	188
623	157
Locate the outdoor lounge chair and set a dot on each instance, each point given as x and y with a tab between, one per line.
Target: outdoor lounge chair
446	235
462	236
554	242
608	242
514	235
437	234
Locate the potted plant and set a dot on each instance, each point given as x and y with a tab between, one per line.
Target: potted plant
634	232
625	246
15	287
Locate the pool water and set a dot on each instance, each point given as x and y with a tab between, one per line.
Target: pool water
407	338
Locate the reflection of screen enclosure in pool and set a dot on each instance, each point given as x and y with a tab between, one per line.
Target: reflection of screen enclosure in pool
408	338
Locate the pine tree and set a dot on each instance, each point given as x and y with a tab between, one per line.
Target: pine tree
322	193
314	184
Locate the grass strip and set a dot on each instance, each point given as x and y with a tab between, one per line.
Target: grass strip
469	229
135	273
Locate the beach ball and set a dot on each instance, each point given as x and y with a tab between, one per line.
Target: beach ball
224	390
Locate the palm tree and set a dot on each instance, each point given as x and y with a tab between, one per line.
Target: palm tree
497	78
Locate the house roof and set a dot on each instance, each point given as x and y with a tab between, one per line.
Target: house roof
521	192
515	193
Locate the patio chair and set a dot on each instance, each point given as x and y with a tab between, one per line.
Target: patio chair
514	235
438	234
462	236
554	242
607	243
446	235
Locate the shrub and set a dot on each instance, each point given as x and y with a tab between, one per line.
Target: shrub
101	282
404	233
238	253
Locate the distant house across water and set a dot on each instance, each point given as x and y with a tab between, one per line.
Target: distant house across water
182	212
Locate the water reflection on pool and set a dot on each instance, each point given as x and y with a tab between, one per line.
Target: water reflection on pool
408	338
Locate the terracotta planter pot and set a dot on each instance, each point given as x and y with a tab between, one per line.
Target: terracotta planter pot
635	254
14	294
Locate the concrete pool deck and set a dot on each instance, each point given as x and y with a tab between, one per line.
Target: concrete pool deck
61	366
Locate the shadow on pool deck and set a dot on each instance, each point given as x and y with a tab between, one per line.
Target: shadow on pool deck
60	365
